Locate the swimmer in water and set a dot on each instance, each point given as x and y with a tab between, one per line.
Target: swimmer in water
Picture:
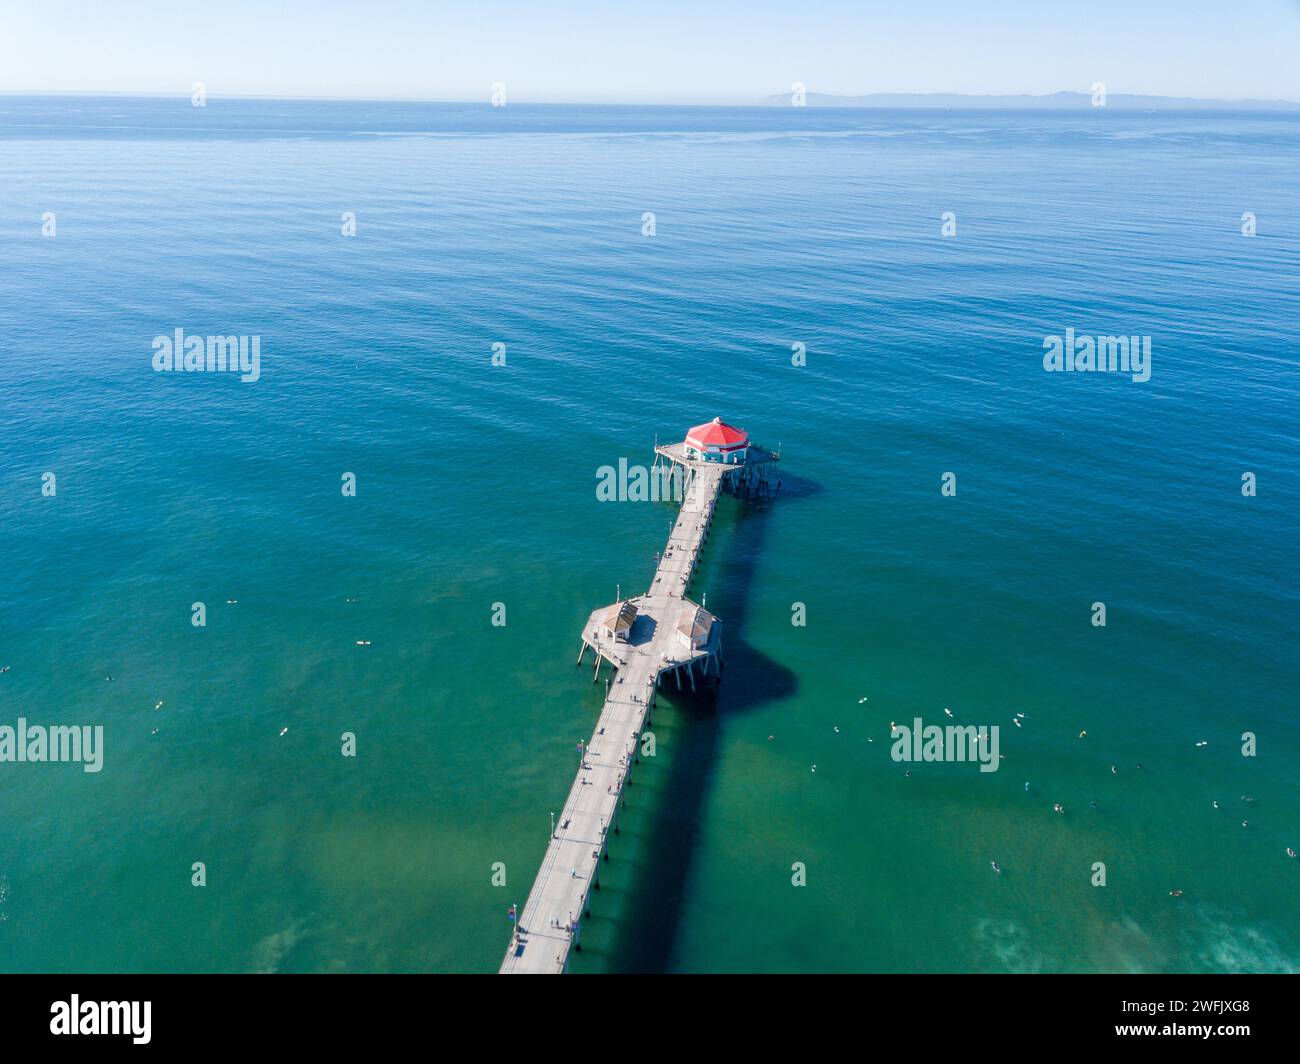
996	867
1113	770
1175	893
1026	786
1290	852
947	711
1059	807
1216	803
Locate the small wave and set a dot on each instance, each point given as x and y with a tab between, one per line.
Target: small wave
1233	949
1008	944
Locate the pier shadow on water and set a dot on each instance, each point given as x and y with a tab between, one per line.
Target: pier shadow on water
645	937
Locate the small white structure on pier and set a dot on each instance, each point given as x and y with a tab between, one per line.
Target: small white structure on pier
695	627
617	621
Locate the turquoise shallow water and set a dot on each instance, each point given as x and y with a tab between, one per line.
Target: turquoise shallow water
476	485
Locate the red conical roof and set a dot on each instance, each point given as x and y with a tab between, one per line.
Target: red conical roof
716	433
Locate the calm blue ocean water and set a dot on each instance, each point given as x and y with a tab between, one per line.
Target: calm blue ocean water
773	227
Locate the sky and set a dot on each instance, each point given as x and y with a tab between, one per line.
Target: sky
623	51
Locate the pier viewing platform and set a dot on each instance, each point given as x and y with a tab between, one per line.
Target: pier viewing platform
661	636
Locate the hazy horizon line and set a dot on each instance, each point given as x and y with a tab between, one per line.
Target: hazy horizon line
768	101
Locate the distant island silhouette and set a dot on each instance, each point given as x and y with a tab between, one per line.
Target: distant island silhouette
1051	101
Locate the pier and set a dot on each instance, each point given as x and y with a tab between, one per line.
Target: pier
648	640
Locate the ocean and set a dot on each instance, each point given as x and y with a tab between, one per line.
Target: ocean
774	231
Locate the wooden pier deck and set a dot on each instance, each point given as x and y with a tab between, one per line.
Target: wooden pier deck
654	648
